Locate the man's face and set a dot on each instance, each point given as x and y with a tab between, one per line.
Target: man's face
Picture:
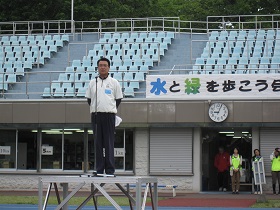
103	68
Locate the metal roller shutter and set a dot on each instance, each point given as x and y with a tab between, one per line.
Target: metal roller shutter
171	151
269	140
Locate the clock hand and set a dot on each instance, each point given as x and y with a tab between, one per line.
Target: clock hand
219	109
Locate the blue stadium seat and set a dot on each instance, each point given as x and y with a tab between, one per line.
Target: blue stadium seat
275	60
62	77
47	93
143	35
69	69
139	40
139	76
70	92
127	63
199	61
81	92
107	35
161	34
58	92
86	63
133	68
22	38
149	39
170	34
128	76
243	60
85	77
53	48
56	37
65	38
138	62
11	79
118	76
134	84
265	60
27	64
117	62
125	35
270	35
129	92
152	35
76	63
144	69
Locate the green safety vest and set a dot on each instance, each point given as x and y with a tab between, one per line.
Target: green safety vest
275	164
235	162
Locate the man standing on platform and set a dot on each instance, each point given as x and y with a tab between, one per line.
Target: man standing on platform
222	164
104	95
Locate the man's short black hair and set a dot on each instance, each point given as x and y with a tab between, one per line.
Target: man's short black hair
104	59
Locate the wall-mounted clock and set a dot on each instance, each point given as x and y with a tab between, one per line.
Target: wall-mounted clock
218	112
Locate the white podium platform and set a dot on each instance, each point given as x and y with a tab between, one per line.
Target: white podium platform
97	183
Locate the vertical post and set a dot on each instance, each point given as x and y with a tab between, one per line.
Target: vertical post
138	195
155	196
40	196
259	174
39	150
72	16
65	193
85	150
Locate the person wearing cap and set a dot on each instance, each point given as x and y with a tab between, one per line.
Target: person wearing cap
103	109
275	169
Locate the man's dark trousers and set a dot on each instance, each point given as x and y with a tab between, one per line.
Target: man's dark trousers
105	139
223	179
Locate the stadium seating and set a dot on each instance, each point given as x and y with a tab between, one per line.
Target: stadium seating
21	53
131	55
251	51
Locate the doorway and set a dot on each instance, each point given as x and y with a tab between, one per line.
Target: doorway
228	138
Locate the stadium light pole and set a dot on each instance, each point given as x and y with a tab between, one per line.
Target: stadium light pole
72	16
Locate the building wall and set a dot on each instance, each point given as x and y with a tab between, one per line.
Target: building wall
140	115
135	112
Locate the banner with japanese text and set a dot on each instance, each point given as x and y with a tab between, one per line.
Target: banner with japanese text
223	86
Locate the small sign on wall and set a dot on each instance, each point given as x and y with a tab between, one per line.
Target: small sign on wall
5	150
47	150
119	152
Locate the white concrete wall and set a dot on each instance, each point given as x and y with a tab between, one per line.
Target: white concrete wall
141	146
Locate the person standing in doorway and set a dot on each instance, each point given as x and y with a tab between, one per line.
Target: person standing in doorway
235	170
104	95
275	169
257	156
222	164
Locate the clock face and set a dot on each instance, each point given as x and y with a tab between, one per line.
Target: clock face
218	112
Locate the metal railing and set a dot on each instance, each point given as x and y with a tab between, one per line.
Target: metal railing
233	22
243	22
33	83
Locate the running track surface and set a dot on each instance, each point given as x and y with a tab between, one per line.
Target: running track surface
206	202
52	207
